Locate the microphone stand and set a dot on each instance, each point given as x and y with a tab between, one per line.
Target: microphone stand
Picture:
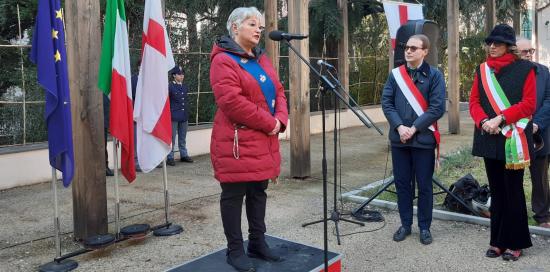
364	119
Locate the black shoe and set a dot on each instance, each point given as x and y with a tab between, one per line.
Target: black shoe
171	162
240	261
138	169
262	251
186	159
426	237
109	172
401	234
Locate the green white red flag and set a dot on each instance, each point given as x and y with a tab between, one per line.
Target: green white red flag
115	82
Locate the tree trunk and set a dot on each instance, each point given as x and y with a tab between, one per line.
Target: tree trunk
300	153
271	23
454	72
491	17
83	49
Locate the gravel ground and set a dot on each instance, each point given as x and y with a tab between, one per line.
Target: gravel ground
25	217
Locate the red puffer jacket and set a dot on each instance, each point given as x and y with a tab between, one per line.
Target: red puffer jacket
241	149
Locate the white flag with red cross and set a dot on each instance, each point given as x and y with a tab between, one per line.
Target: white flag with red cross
152	107
398	13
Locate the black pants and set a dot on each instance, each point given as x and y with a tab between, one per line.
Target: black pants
231	202
540	197
509	226
106	131
414	166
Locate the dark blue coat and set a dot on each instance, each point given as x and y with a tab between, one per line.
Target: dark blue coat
398	111
542	114
178	102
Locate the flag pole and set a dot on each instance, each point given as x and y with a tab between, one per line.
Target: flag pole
117	197
66	264
169	229
56	214
137	231
166	196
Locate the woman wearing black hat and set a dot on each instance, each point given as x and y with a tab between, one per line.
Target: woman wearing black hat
502	101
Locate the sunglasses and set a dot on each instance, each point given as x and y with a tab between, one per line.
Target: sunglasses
528	51
496	44
412	48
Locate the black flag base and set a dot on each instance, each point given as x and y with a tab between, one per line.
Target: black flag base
64	265
99	241
135	231
169	230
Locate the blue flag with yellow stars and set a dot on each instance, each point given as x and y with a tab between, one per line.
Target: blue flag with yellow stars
49	54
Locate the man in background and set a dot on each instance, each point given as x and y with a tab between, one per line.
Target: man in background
540	193
177	91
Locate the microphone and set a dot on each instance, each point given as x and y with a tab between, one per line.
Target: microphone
277	35
322	62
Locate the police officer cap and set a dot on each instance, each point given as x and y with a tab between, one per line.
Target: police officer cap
177	70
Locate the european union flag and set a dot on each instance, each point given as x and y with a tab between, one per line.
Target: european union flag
49	55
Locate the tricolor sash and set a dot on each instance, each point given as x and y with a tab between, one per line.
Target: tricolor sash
516	148
415	98
257	72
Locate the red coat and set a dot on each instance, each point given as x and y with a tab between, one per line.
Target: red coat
241	103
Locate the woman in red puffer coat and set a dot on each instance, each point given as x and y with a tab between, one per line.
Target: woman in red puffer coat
252	111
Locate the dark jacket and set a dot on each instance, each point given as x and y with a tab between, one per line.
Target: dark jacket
542	114
253	155
398	111
179	106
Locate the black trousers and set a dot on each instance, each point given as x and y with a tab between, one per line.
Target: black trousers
509	226
540	196
106	132
414	166
231	202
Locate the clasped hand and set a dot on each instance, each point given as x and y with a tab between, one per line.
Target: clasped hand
492	126
406	133
277	128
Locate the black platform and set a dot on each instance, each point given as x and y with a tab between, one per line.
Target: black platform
297	258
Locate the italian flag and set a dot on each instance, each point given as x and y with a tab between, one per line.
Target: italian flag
115	82
152	107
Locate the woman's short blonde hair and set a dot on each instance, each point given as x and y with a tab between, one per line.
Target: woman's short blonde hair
238	15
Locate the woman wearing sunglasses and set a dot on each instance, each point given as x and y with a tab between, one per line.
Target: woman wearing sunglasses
413	100
502	100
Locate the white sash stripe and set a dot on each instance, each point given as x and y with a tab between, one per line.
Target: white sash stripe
519	145
408	94
492	88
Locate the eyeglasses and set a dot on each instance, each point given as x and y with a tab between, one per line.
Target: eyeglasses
496	44
412	48
528	51
254	25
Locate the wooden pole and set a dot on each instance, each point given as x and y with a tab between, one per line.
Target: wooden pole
491	18
300	153
516	20
272	47
452	49
343	46
83	50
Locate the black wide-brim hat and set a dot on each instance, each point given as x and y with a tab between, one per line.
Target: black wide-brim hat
502	33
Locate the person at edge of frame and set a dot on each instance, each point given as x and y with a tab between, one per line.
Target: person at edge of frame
502	100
